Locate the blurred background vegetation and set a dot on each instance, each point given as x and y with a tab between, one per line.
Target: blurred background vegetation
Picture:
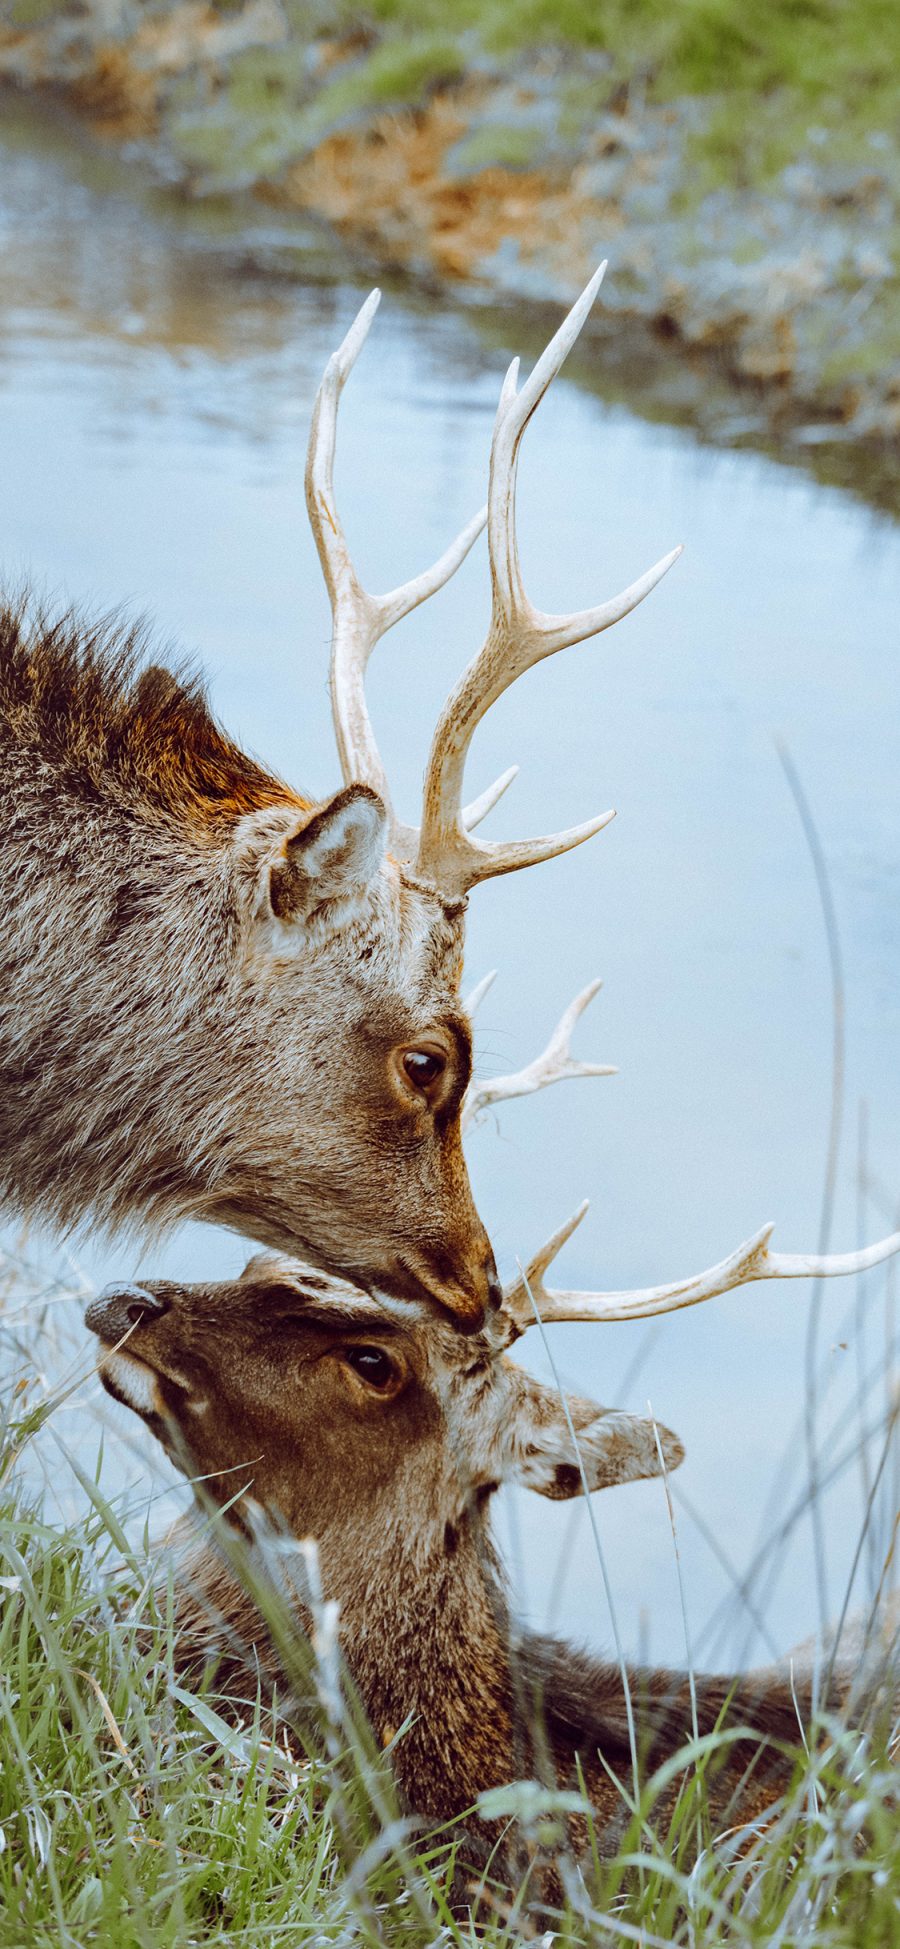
776	65
740	165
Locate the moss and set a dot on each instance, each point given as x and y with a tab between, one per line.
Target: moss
834	57
271	110
874	357
265	78
392	76
29	13
582	97
740	150
403	72
249	131
500	145
226	153
747	250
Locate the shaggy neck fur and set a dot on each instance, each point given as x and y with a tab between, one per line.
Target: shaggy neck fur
426	1636
95	724
119	940
444	1617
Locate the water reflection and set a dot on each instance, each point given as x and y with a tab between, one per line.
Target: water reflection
154	405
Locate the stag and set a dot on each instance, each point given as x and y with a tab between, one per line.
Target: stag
221	999
367	1424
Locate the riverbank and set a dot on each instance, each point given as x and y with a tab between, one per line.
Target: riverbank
753	232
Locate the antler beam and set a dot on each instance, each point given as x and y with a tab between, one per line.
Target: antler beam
751	1261
519	636
555	1064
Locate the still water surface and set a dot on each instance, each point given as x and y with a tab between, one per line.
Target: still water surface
154	401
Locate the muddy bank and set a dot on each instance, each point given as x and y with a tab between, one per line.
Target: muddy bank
778	300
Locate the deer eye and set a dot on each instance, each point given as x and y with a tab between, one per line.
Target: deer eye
373	1366
423	1068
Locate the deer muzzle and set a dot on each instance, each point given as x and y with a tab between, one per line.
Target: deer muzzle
118	1309
468	1299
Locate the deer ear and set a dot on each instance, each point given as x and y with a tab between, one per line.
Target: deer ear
274	1266
276	1277
334	855
610	1446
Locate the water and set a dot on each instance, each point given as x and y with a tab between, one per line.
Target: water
154	405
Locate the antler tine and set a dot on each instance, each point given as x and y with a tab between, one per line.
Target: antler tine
519	636
353	633
517	1309
479	808
359	618
474	1000
555	1064
751	1261
408	596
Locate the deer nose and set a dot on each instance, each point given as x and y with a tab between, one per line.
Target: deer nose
118	1308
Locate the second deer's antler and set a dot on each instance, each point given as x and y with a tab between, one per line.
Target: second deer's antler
751	1261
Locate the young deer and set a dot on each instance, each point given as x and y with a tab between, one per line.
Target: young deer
366	1424
221	1000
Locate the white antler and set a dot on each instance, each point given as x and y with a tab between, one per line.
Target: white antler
751	1261
476	995
554	1065
480	807
359	619
518	637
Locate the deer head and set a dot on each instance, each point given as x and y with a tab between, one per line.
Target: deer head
352	1413
225	1346
510	1426
371	1426
333	1397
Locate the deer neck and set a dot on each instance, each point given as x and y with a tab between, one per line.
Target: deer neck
424	1632
424	1629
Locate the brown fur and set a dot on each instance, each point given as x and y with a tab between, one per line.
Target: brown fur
251	1386
82	699
205	981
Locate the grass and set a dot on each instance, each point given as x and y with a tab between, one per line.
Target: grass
141	1809
270	112
778	81
781	81
780	78
690	46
